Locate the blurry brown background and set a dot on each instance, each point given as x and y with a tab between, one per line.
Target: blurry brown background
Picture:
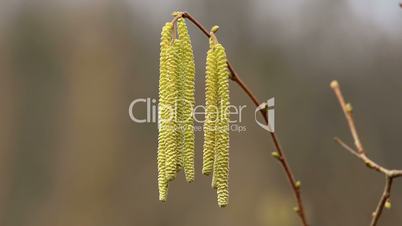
70	156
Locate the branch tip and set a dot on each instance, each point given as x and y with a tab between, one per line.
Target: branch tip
334	84
214	29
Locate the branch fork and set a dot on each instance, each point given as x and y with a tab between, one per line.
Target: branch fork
360	153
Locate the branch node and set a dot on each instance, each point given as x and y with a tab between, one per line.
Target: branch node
348	108
369	164
276	155
388	204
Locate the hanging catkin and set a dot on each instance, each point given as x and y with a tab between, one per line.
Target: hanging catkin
163	113
172	152
222	132
211	102
216	127
180	103
175	115
188	101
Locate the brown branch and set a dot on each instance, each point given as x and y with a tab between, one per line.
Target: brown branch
360	153
369	163
347	110
383	200
280	154
176	16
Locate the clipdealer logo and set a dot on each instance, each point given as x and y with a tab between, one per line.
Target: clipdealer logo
235	114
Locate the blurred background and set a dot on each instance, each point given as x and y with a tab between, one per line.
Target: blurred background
70	155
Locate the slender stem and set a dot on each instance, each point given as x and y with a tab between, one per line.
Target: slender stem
282	158
390	175
213	37
347	110
177	15
369	163
384	198
235	77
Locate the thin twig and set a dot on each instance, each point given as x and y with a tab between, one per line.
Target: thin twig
369	163
347	147
360	153
347	109
384	198
281	156
177	15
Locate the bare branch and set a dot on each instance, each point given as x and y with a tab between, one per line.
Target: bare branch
384	198
347	147
390	175
347	110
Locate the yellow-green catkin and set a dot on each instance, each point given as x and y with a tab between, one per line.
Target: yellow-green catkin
211	103
222	132
180	103
176	104
188	100
172	152
214	183
163	92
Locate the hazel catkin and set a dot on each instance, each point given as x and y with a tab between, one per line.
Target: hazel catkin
172	152
175	113
163	83
211	102
216	127
222	132
187	98
176	102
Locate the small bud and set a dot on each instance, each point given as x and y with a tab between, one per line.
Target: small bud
276	155
349	108
334	84
298	184
388	204
374	214
296	209
214	29
369	164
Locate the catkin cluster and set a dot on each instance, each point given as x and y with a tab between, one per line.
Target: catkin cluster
216	127
176	102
